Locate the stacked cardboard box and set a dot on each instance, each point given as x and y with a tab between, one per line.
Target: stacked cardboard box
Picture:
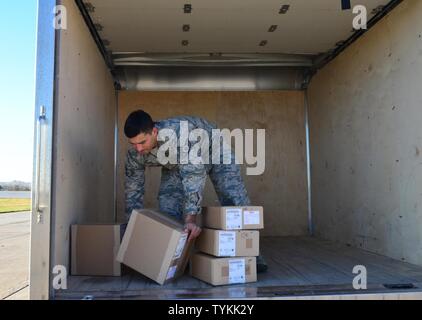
155	245
94	249
229	244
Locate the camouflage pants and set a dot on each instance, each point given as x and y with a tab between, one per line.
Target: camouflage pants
227	181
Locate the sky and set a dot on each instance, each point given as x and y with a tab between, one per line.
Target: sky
17	88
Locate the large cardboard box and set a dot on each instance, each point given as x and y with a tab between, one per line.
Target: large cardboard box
223	243
223	271
94	249
233	218
155	245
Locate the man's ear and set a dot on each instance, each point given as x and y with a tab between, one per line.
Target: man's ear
155	131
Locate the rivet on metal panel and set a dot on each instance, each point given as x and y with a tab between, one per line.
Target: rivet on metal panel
89	7
263	43
185	42
186	28
98	27
272	28
377	9
284	8
187	8
42	113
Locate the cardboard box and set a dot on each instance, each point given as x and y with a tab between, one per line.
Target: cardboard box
233	218
223	271
223	243
155	245
94	250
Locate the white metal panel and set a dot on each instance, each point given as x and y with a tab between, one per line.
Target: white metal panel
366	140
210	79
84	153
309	27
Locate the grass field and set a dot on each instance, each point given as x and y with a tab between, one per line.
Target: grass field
14	205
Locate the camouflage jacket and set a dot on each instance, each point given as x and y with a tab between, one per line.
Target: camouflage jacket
193	175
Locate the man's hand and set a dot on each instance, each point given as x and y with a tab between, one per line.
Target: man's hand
191	227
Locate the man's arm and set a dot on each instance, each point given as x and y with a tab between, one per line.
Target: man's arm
193	181
134	184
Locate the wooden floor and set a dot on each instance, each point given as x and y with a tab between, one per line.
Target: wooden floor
296	266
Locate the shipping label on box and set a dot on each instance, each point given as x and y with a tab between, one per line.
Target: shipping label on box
180	246
227	243
237	271
233	219
171	273
251	217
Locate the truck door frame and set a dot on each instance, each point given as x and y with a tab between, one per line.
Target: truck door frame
41	217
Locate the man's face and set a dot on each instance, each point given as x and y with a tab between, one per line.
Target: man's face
145	142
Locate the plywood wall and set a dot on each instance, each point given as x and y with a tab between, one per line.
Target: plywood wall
83	179
366	139
281	189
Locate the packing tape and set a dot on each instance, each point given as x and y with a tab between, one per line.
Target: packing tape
225	270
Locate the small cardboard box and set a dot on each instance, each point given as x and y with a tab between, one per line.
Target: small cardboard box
223	271
155	245
94	249
223	243
233	218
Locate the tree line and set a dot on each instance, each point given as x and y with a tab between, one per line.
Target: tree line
15	186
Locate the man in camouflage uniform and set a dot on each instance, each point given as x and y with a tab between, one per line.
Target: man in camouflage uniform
182	185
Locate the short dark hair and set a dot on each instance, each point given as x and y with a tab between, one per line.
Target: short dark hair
138	122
